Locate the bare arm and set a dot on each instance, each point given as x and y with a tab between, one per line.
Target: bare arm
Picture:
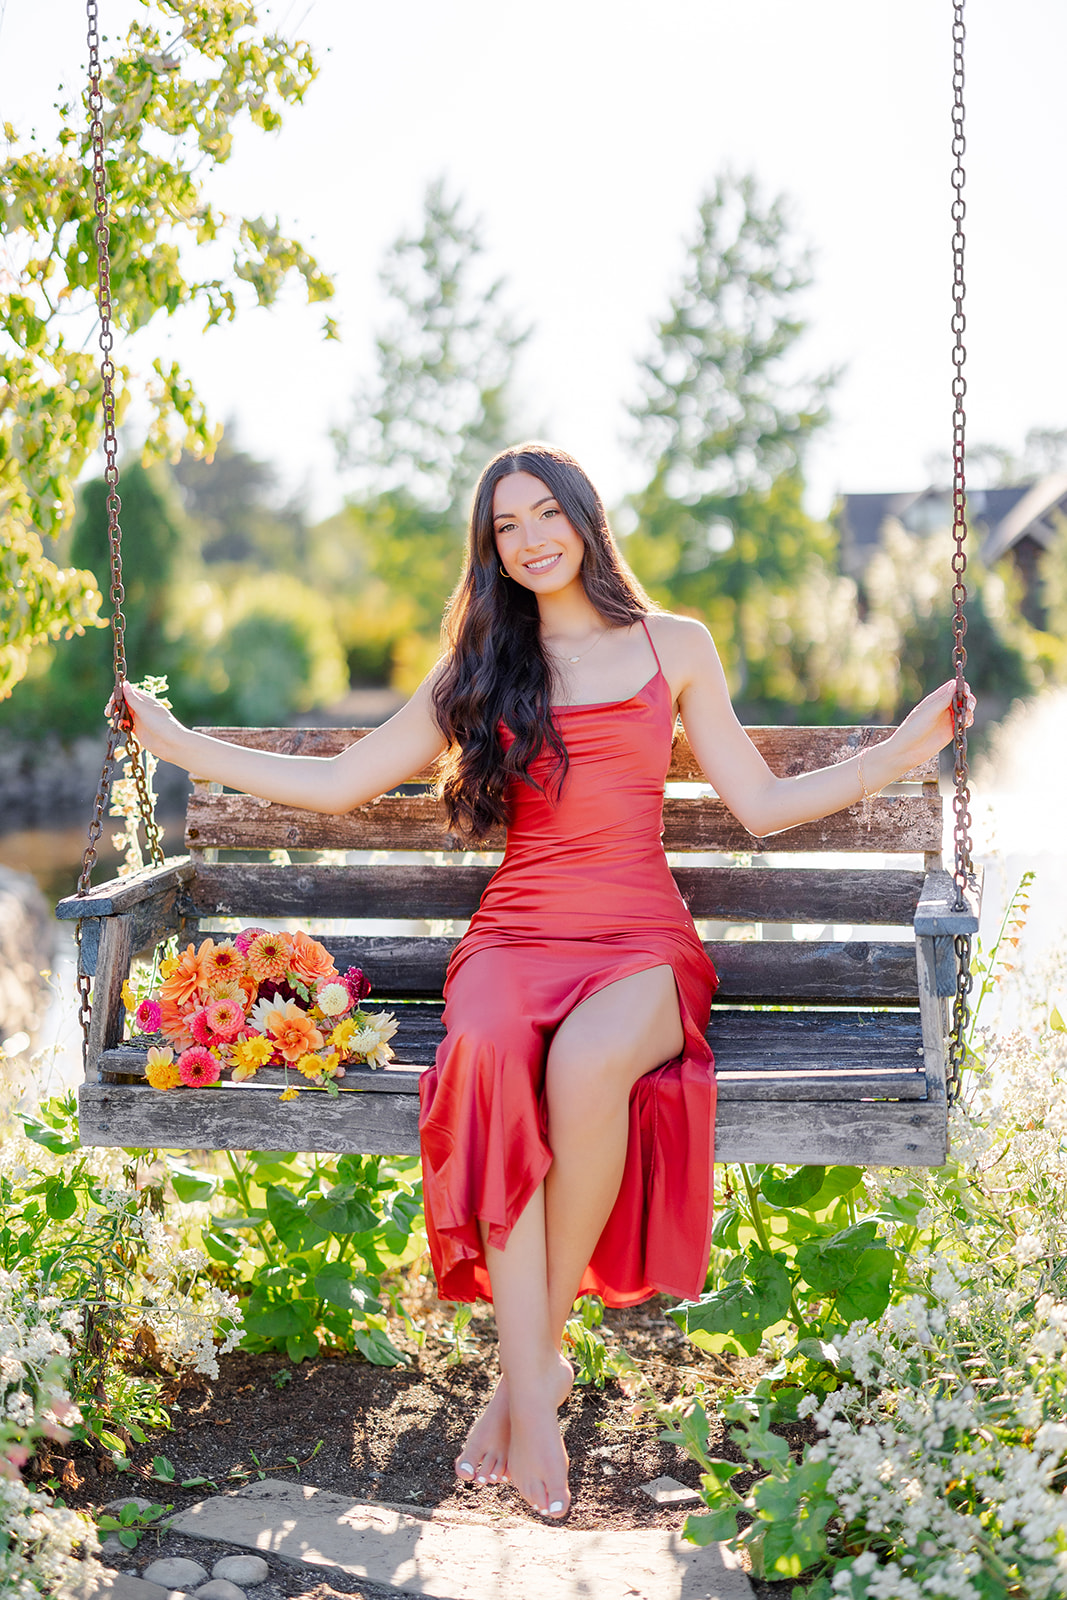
390	755
766	804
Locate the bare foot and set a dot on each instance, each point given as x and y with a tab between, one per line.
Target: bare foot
537	1462
484	1458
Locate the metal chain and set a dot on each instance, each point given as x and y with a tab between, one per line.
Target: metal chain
121	726
961	800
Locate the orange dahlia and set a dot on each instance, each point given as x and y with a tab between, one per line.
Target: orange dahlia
309	960
293	1031
174	1022
187	976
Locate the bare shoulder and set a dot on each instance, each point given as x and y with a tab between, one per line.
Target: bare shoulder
683	644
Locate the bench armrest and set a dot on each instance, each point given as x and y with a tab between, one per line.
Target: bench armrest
935	914
122	894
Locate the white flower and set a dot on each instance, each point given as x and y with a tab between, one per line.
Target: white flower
333	999
1028	1247
1052	1436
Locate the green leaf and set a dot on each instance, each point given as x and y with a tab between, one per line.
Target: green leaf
724	1233
829	1264
376	1346
342	1211
870	1290
279	1320
745	1308
301	1347
711	1527
61	1200
836	1182
291	1222
48	1138
1055	1020
337	1284
219	1248
163	1469
189	1185
794	1189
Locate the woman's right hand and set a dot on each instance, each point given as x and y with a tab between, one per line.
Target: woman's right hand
153	725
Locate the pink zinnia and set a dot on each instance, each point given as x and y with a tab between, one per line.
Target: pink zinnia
149	1015
243	939
198	1067
225	1018
200	1027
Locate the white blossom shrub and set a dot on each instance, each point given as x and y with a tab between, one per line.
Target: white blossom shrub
938	1466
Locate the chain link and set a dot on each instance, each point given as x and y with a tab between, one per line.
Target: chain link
121	725
963	869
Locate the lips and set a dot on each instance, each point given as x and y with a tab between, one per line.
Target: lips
543	563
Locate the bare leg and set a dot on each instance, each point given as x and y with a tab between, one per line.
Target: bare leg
597	1055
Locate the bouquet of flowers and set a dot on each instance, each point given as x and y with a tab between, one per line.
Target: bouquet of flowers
259	999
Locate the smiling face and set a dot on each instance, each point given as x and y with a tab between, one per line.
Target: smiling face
536	543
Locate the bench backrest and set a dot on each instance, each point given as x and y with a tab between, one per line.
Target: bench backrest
428	875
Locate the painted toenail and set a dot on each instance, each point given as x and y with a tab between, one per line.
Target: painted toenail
555	1508
480	1478
492	1477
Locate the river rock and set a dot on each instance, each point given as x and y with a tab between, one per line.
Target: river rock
175	1572
241	1569
220	1589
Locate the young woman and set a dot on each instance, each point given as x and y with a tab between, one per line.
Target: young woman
567	1126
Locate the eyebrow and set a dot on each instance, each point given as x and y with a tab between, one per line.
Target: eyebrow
507	514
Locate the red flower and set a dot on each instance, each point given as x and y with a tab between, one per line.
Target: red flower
357	985
198	1067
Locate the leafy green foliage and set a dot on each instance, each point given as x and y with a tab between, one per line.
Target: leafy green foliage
133	1522
594	1361
187	74
789	1247
308	1240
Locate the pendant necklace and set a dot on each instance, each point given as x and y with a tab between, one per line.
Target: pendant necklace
592	647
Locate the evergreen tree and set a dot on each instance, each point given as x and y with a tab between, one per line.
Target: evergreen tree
720	525
437	407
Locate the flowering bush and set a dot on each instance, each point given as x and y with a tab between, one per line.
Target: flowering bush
40	1541
112	1292
259	999
940	1460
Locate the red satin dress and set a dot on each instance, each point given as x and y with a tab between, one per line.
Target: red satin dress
582	898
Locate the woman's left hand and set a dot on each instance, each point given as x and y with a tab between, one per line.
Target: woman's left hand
928	728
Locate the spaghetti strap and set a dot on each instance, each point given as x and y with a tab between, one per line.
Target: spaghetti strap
651	646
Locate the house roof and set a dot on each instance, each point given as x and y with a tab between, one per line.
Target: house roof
1002	515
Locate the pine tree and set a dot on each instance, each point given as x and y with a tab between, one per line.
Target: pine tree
437	407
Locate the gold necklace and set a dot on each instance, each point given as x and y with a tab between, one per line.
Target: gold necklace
589	651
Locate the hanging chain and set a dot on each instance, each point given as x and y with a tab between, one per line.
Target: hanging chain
961	800
120	730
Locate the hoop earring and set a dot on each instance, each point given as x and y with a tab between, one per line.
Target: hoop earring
503	574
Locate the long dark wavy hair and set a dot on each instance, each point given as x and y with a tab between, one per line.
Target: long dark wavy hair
496	668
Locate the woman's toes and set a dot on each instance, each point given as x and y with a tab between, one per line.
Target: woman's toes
464	1470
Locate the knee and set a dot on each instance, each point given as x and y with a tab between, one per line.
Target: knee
584	1084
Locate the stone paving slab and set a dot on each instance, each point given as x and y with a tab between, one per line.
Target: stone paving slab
470	1557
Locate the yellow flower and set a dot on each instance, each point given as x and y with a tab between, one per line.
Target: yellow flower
160	1068
168	965
330	1063
128	998
248	1055
290	1093
310	1066
344	1033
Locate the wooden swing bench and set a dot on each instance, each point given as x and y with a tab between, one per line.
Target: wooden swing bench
827	1050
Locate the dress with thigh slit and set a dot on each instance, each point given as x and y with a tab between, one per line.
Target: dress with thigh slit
582	898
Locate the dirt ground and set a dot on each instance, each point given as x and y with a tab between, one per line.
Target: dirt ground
391	1433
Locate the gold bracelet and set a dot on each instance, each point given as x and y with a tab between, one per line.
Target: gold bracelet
867	803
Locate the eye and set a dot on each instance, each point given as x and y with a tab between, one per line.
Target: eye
552	511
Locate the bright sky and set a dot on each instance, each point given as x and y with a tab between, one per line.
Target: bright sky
583	132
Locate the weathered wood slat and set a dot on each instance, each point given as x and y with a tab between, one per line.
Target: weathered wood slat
802	972
786	750
935	913
889	1133
113	968
842	1048
151	921
898	823
728	894
122	894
